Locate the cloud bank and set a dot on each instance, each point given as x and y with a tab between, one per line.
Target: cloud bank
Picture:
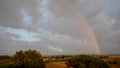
49	27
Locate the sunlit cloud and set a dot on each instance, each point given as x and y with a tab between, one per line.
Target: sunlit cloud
23	35
56	49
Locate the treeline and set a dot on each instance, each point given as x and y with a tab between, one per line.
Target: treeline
2	57
33	59
86	61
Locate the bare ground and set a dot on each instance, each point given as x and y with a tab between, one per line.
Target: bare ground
56	65
63	65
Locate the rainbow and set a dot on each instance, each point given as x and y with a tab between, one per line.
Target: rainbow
75	14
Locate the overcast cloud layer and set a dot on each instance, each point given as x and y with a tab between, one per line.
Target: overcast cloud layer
50	27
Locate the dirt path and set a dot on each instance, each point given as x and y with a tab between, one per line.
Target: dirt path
56	65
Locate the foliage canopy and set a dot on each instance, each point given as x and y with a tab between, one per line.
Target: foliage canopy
27	59
85	61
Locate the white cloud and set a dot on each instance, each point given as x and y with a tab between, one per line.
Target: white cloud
55	49
23	35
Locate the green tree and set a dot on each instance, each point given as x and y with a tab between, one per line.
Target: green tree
85	61
27	59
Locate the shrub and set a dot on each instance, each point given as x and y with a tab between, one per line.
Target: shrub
27	59
85	61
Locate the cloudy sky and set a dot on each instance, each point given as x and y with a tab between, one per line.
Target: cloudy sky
60	26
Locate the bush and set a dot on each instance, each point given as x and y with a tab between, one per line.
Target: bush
85	61
3	57
27	59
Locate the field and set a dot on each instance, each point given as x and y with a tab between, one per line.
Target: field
62	65
109	59
113	61
56	65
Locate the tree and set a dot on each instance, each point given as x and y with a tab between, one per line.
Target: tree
85	61
27	59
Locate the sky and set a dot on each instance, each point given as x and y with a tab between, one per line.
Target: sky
55	27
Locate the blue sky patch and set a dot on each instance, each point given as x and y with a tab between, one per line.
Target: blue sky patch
25	17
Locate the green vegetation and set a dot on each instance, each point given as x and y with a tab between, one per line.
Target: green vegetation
25	59
85	61
4	57
55	58
5	65
33	59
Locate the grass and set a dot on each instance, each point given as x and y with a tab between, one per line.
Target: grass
4	63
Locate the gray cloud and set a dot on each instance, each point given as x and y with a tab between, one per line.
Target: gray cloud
56	27
104	20
112	8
